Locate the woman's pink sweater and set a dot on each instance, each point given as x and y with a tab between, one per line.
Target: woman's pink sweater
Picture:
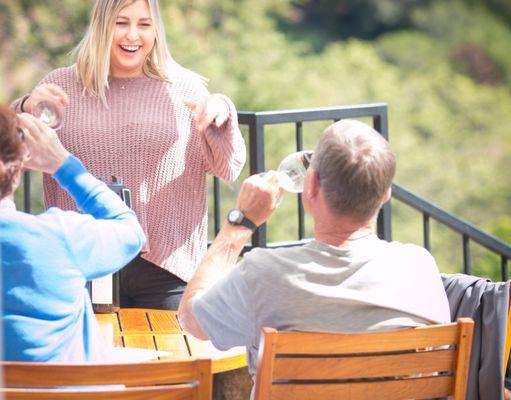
148	138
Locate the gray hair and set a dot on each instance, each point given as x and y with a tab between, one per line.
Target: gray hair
355	166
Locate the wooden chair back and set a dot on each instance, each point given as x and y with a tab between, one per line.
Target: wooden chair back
418	363
178	380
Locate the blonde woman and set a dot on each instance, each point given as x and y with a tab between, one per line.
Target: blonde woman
134	113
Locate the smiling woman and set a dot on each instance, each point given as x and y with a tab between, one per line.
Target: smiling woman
134	39
132	112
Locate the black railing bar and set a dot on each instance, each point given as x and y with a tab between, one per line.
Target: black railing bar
301	217
381	124
216	203
384	220
27	206
466	255
256	151
426	228
459	225
313	114
503	268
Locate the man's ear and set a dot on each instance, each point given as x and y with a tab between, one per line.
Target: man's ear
312	186
387	195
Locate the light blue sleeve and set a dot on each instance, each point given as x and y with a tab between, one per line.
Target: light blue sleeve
225	311
108	235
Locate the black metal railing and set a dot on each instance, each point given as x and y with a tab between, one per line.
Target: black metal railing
467	231
256	122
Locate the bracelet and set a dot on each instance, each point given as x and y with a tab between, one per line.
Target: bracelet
23	102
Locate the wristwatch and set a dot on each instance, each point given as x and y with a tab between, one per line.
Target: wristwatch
236	217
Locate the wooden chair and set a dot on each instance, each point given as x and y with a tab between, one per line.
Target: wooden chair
418	363
178	380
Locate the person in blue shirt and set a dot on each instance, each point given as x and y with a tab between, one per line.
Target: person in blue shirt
47	259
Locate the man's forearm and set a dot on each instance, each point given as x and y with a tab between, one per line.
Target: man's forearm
219	259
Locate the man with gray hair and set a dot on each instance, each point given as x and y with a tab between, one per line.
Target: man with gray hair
345	280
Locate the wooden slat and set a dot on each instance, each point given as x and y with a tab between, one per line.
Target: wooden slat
134	320
139	341
175	392
395	390
110	321
323	343
151	373
363	367
117	342
173	343
222	360
229	363
163	321
463	360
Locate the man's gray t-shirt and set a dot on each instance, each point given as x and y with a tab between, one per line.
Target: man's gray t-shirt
372	285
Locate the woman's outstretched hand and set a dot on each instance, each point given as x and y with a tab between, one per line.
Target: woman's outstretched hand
213	110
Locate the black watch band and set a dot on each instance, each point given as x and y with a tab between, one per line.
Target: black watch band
236	217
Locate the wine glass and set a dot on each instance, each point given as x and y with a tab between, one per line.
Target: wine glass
48	113
292	169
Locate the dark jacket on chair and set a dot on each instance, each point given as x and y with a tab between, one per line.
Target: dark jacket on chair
486	303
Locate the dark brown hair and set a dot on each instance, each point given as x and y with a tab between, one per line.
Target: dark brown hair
11	150
356	166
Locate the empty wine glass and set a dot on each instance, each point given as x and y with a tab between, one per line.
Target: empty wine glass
48	113
292	169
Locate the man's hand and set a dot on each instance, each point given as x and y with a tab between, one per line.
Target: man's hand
48	92
212	110
259	197
46	153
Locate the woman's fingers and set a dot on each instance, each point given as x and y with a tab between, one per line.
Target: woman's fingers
212	110
222	118
58	93
47	92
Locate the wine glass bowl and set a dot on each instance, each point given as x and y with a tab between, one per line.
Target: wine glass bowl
48	113
292	169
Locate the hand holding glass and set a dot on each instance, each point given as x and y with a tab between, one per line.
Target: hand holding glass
48	113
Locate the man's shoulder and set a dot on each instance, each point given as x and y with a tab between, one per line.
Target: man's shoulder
266	261
259	253
409	249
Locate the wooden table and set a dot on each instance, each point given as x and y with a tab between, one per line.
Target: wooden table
160	330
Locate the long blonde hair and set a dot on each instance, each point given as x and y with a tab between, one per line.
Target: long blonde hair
93	51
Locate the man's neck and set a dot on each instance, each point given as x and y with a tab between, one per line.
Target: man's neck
342	232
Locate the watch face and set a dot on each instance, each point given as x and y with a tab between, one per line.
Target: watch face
235	216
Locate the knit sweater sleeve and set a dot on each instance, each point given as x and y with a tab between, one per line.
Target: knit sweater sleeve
108	236
223	148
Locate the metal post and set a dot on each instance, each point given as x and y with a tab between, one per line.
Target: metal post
380	123
26	192
466	255
426	228
256	139
503	265
301	216
216	202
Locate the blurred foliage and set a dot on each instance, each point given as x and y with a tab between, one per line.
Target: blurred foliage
443	67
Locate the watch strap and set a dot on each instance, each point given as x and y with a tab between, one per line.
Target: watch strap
248	224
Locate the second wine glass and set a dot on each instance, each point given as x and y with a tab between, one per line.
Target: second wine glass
48	113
